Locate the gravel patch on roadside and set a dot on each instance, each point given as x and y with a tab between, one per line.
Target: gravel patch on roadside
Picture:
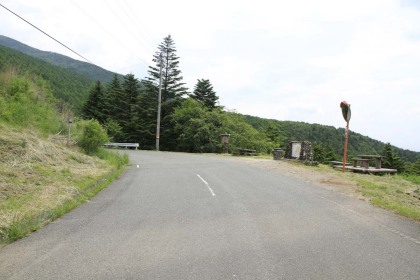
323	176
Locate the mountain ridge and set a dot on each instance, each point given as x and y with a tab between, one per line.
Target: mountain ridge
86	69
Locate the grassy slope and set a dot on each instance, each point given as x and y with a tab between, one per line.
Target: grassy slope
40	177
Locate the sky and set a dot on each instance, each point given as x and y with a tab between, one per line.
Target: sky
285	60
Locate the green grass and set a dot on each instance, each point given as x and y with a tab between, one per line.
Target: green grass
403	210
87	187
25	101
412	178
391	192
41	178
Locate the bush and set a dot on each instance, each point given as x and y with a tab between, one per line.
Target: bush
92	136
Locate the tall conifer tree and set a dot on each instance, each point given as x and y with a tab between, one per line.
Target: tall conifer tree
115	103
204	93
94	105
131	91
173	89
166	58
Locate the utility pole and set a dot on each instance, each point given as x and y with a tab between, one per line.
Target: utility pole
159	103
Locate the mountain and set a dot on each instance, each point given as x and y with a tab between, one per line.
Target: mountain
281	132
68	86
88	70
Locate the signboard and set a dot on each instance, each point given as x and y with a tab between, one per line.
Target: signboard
345	109
296	147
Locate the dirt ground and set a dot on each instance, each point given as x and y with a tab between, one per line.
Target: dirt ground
324	176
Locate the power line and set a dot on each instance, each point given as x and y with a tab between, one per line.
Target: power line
110	34
143	28
146	46
47	34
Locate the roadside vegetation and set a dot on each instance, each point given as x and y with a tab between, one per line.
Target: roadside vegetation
41	178
398	193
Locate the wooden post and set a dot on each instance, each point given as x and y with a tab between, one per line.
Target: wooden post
69	122
346	141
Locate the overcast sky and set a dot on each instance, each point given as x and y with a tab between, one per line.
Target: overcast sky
284	60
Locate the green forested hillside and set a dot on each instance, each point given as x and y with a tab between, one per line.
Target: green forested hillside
68	86
88	70
281	132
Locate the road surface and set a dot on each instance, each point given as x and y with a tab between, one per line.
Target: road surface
186	216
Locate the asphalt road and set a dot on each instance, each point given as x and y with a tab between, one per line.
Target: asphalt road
185	216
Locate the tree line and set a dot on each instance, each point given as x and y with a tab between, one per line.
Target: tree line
190	122
193	122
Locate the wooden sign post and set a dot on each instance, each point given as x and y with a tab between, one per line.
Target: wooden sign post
345	109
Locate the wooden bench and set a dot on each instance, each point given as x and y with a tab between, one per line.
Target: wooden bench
247	152
124	145
362	162
338	163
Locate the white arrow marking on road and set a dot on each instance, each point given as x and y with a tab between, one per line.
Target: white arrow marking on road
207	184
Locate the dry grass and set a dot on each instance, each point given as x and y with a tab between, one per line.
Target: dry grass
37	175
392	192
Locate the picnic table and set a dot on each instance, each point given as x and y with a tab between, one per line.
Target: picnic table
361	164
363	161
247	152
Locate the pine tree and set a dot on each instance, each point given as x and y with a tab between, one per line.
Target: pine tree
128	114
115	103
93	106
391	159
319	153
145	120
204	93
173	90
165	57
416	168
329	153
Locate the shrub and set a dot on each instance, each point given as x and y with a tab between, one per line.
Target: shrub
91	137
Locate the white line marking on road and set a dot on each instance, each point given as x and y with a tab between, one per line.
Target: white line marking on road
138	166
207	184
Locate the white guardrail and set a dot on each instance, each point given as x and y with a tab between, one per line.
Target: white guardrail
125	145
